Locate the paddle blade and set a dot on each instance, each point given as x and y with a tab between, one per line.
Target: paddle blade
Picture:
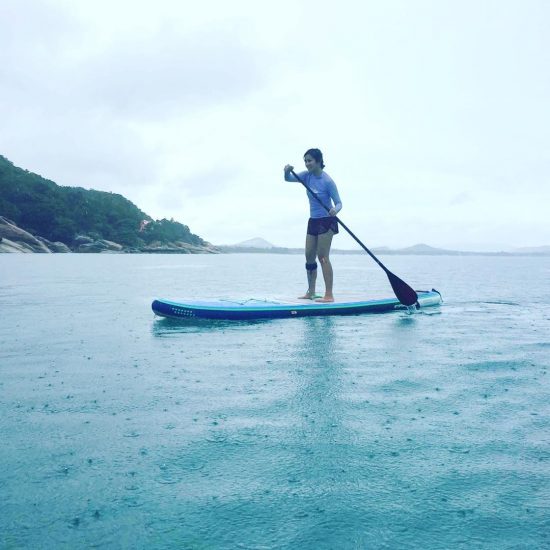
405	294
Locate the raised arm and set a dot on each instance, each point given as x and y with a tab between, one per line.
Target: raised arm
288	173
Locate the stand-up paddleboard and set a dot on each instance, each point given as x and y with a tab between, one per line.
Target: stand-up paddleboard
277	309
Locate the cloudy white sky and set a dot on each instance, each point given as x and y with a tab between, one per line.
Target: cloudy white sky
433	115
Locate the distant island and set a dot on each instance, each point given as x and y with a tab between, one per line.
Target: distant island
259	245
256	242
37	215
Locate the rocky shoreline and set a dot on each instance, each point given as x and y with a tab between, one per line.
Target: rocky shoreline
13	239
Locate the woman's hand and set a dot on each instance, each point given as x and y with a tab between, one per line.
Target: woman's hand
288	168
332	212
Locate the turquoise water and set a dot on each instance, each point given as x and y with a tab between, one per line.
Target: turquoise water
120	430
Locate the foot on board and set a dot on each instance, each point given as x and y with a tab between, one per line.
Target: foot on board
309	296
325	299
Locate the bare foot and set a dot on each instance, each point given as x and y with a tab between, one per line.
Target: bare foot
325	299
307	296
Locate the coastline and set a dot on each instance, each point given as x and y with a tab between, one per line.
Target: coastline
13	239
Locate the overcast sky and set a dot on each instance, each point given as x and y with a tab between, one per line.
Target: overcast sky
433	115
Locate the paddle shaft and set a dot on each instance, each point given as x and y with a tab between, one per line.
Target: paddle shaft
340	222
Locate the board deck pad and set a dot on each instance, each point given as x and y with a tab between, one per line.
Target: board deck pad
275	308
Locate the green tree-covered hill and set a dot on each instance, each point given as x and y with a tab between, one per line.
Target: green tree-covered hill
59	213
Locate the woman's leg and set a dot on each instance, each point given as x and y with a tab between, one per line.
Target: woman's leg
311	266
324	242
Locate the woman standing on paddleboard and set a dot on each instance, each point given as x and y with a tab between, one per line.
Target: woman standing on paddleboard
322	224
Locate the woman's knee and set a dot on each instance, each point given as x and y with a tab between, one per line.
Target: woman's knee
323	258
310	257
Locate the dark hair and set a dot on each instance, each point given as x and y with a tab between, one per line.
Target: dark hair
317	156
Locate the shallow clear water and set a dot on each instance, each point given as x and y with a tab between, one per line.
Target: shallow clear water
120	430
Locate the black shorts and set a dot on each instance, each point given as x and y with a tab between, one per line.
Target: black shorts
318	226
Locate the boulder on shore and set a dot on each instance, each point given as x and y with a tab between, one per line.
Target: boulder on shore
23	240
15	239
80	240
6	245
99	245
179	247
56	246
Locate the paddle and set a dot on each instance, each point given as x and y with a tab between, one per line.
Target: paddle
405	294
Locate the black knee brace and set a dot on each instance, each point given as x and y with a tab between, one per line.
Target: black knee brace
311	267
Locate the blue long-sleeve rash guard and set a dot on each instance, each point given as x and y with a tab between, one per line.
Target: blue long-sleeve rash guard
324	187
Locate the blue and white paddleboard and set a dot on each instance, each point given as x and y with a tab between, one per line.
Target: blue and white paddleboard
277	309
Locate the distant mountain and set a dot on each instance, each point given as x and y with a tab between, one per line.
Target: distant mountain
422	249
85	219
257	242
532	250
257	246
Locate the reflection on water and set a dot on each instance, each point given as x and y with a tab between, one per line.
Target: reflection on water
317	375
165	327
321	438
